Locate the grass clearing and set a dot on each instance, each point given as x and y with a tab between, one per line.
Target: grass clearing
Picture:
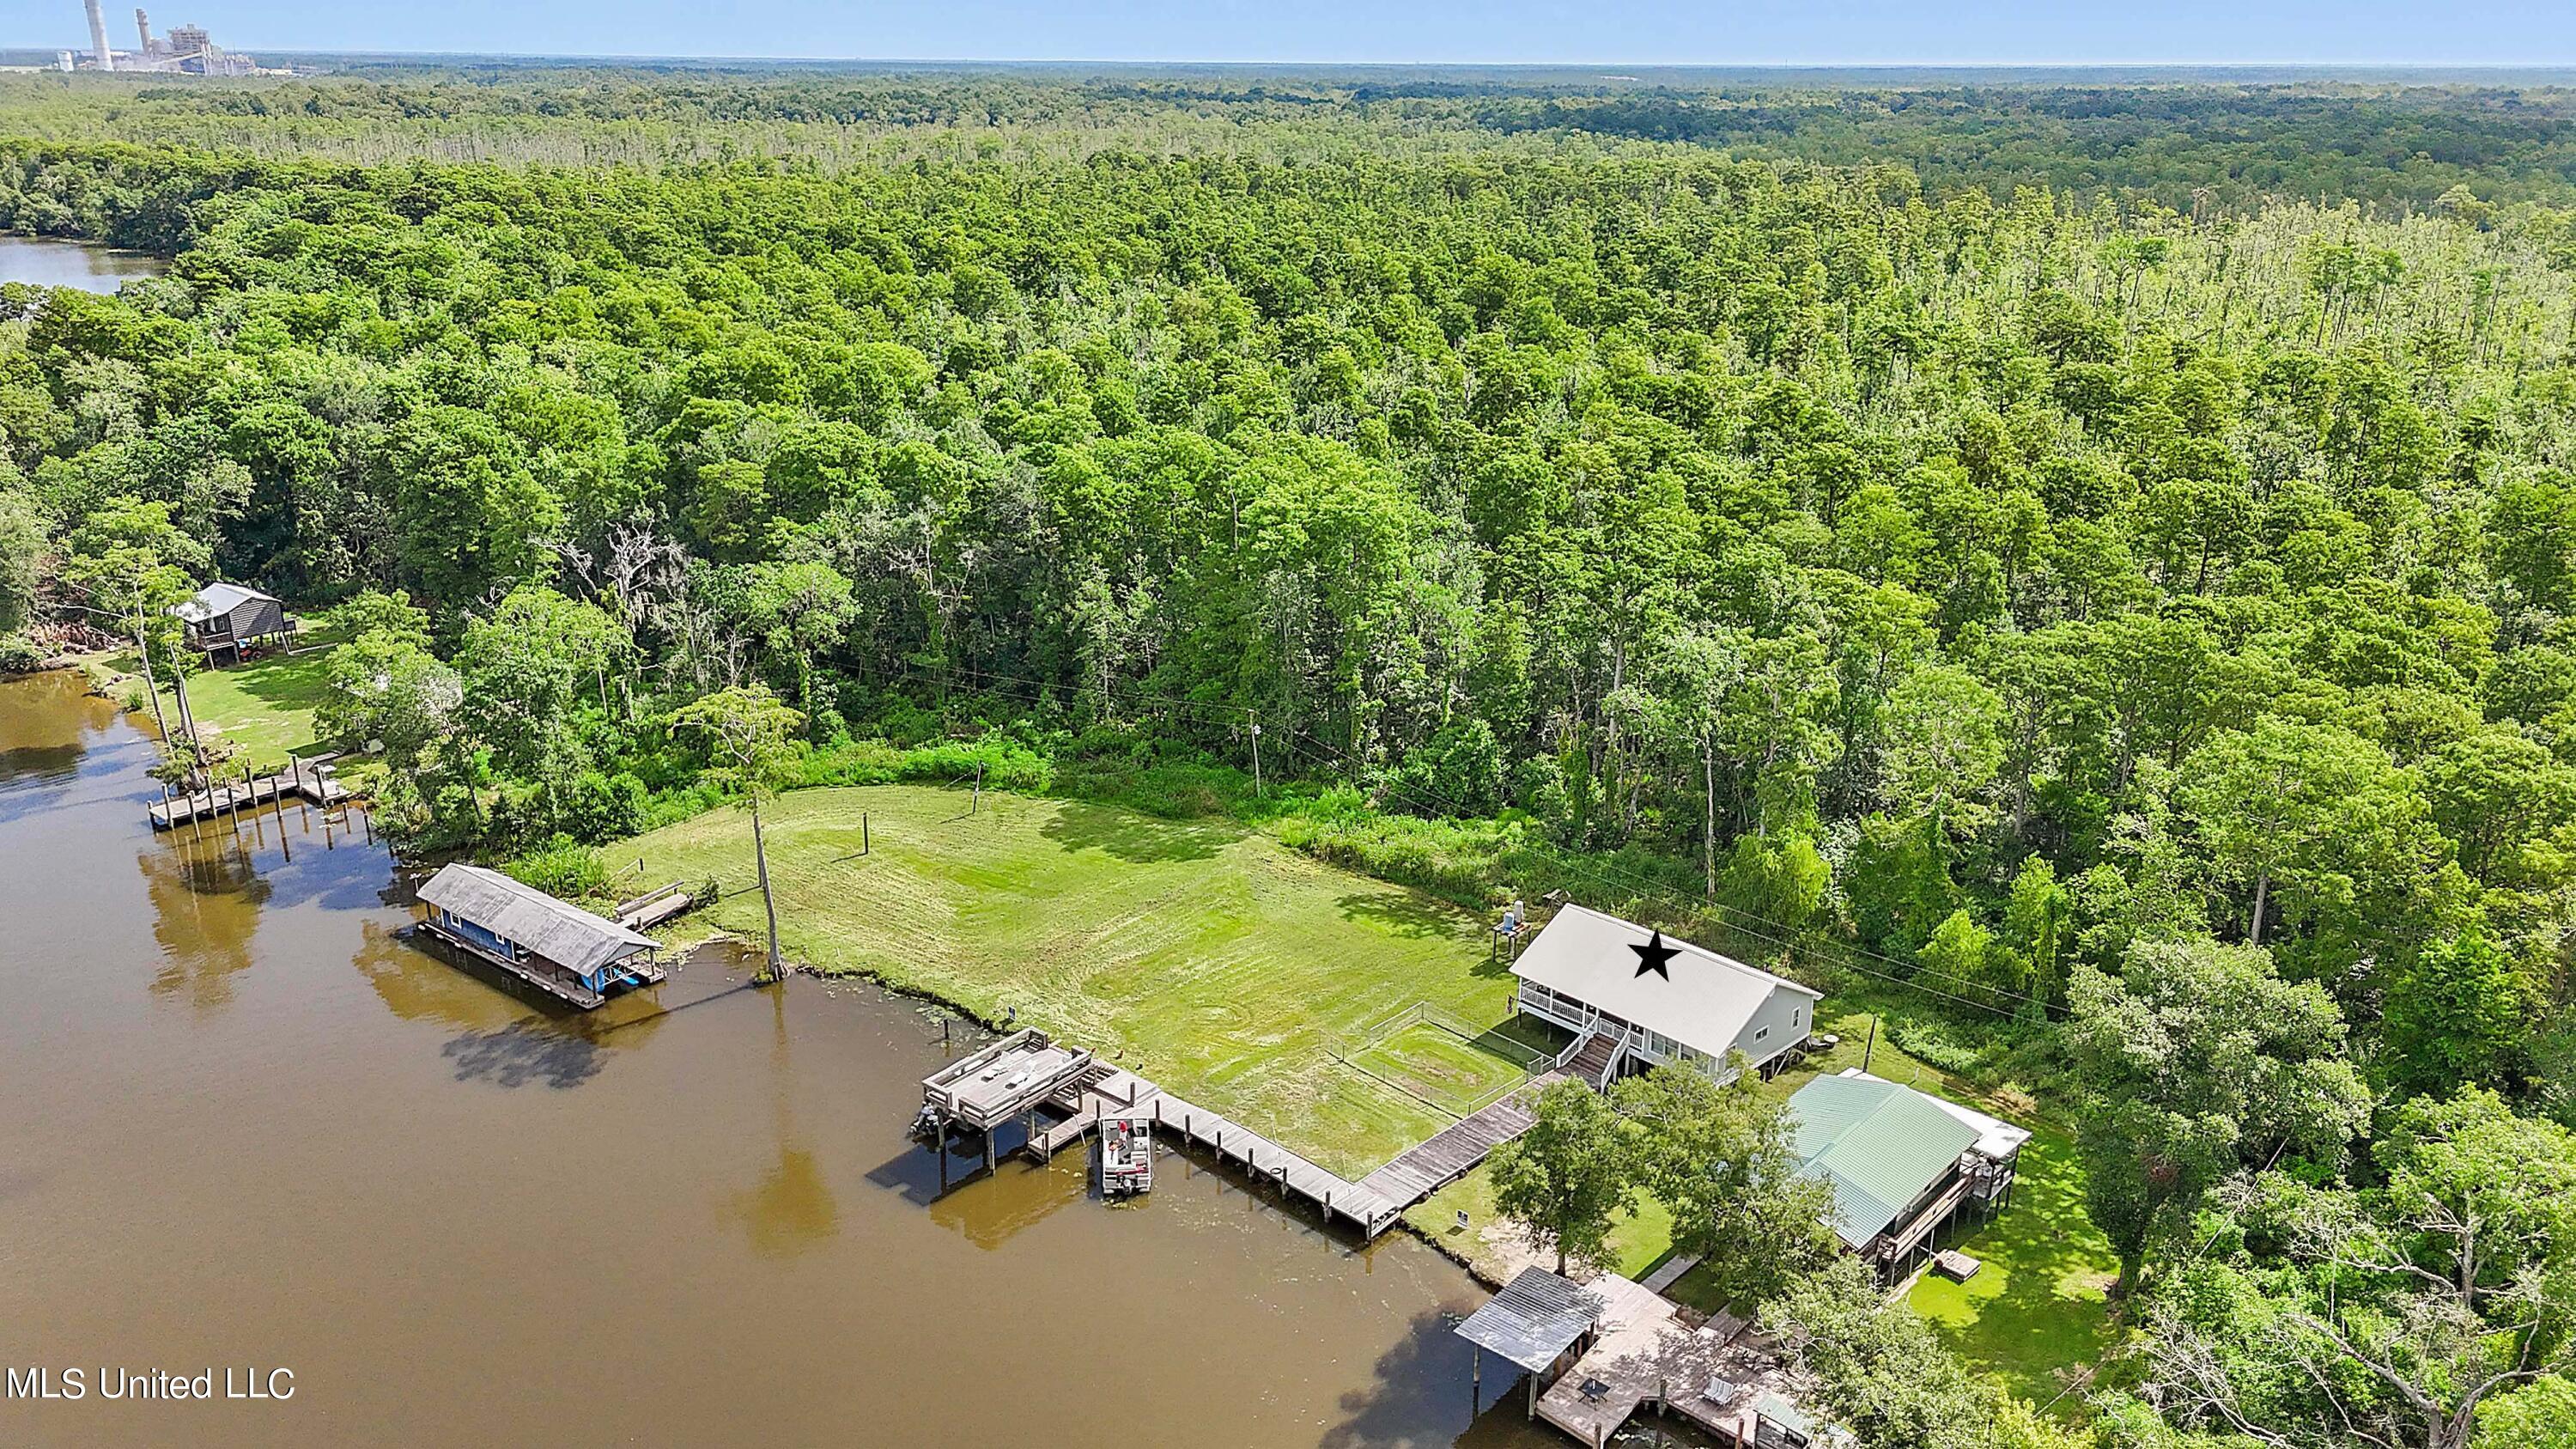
1202	954
1452	1072
2035	1315
264	707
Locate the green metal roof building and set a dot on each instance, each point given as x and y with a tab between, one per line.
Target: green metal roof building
1900	1162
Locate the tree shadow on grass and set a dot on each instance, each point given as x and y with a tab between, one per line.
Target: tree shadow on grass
1405	913
2034	1314
1138	839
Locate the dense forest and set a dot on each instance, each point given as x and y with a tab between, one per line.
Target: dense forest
2099	566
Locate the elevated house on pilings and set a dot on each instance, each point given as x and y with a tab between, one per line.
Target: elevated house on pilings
553	945
1587	972
229	618
1901	1164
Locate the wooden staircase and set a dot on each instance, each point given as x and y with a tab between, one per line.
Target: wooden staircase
1598	1059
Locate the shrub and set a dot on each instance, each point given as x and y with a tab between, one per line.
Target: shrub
562	866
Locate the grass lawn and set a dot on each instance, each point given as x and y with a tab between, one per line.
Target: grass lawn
265	707
1432	1062
1637	1239
2034	1314
1204	955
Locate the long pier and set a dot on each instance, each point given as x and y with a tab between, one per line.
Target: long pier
312	783
1372	1204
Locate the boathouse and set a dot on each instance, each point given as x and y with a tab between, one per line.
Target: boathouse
1900	1163
231	617
552	945
1635	998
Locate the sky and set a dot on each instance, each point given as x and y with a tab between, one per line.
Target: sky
1607	32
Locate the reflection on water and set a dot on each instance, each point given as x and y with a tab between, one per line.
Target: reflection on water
249	1122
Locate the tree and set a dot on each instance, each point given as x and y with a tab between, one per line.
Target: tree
1721	1157
2540	1416
748	732
1882	1374
2197	1060
528	665
2386	1316
2458	1013
23	546
1567	1177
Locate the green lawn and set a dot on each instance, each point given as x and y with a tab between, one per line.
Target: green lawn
2034	1314
1432	1062
264	707
1204	955
1637	1239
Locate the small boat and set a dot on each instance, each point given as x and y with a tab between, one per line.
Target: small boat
1126	1157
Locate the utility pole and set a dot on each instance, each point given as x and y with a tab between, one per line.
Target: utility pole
1256	759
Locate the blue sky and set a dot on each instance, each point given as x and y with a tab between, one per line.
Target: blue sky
2510	32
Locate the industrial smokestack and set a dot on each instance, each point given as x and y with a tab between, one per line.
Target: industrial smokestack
143	30
98	37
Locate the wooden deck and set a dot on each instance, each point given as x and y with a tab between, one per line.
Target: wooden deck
266	789
1372	1205
1455	1150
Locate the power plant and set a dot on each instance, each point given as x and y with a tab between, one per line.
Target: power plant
186	50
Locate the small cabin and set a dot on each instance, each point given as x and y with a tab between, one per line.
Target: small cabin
552	945
1901	1163
231	617
1634	999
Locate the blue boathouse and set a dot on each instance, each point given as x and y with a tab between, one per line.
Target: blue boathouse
552	945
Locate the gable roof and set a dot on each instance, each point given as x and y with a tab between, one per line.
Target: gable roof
557	930
1877	1145
1534	1320
218	599
1706	1004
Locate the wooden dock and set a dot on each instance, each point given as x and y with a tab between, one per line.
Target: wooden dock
313	784
1646	1355
1455	1150
1372	1205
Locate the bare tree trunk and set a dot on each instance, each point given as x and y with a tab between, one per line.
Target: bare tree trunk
1708	828
151	687
760	855
2262	892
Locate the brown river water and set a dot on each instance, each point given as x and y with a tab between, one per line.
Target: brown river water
245	1127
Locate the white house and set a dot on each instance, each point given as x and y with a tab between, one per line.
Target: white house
1598	977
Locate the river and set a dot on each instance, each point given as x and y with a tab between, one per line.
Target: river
50	262
246	1127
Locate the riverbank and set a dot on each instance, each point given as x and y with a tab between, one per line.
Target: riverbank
1201	953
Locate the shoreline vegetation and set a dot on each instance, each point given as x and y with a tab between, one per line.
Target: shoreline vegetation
2095	597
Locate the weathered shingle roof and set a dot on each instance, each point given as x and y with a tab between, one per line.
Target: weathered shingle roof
1707	1002
1534	1320
215	599
1877	1145
557	930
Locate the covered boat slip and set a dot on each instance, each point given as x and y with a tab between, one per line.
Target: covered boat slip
553	945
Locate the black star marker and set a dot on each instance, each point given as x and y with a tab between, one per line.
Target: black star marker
1652	956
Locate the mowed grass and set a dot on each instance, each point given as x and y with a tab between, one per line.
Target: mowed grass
264	708
1206	956
1430	1061
2035	1316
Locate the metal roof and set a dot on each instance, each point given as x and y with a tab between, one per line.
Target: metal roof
1534	1320
1706	1003
1877	1145
216	599
557	930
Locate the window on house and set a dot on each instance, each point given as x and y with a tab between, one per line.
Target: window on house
1761	1033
